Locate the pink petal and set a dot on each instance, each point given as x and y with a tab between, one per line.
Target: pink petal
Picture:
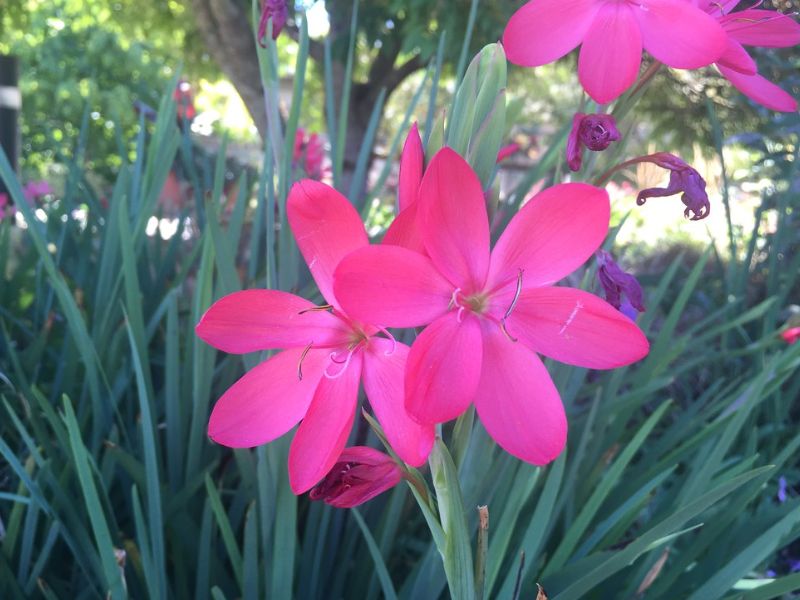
412	163
404	231
443	369
611	53
384	368
679	34
268	400
326	227
766	28
323	433
760	90
391	287
551	236
737	58
254	320
453	220
543	31
577	328
517	402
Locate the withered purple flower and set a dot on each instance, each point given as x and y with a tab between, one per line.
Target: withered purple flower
279	12
595	131
683	178
622	290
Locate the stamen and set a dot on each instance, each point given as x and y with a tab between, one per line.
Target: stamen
516	296
504	329
342	370
385	332
316	309
300	362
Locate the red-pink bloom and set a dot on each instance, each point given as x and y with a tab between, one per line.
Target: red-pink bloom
360	474
184	100
309	154
684	180
404	230
790	336
326	355
490	313
36	189
613	34
278	12
594	131
7	209
508	151
752	27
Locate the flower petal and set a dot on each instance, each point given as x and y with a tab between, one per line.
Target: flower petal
766	28
404	231
453	220
737	58
391	287
551	236
543	31
679	34
412	163
253	320
326	227
611	53
384	369
323	433
443	369
268	400
577	328
517	402
760	90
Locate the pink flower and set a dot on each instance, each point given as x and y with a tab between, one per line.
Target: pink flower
621	288
360	474
278	12
7	209
326	355
508	151
490	313
404	230
612	34
752	27
35	189
790	336
309	154
595	131
682	178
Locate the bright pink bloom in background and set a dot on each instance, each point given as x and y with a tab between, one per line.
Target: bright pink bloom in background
752	27
612	34
404	230
326	355
507	151
491	312
309	154
790	336
595	131
35	189
360	474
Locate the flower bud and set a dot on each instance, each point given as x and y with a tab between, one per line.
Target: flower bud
622	290
277	10
594	131
360	474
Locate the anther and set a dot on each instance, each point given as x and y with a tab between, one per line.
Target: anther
517	292
300	362
324	307
504	329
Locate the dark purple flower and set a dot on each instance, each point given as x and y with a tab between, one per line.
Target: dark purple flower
682	178
279	12
623	291
594	131
360	474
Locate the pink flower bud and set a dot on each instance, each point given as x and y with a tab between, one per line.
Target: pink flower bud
594	131
790	336
360	474
277	10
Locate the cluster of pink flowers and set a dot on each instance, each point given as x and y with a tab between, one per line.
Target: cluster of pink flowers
31	191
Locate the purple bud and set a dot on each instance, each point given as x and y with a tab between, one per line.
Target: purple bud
622	290
279	12
683	178
594	131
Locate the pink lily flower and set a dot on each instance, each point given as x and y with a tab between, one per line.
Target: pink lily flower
326	355
490	313
753	27
404	230
613	34
360	474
